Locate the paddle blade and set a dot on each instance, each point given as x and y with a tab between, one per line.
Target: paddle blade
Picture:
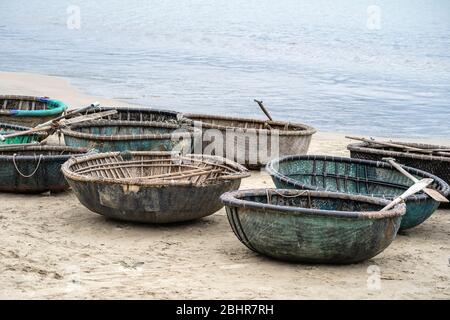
417	187
436	195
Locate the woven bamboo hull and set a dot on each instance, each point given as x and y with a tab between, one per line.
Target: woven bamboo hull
124	145
152	187
166	204
248	142
108	136
140	114
438	166
48	176
257	158
296	173
308	238
10	128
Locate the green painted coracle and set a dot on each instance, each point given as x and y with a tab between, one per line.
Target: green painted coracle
34	169
29	111
29	138
353	176
312	226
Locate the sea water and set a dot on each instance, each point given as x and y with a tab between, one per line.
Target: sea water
375	67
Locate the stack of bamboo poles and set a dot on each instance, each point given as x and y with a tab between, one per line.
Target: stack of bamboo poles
409	149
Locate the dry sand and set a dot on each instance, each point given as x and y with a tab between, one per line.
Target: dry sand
53	247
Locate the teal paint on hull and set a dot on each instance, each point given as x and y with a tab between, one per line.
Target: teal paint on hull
125	145
355	177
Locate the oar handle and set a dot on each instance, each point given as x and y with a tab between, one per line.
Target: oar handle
266	112
392	162
417	187
70	114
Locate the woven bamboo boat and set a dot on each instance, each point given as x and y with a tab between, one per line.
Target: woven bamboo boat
34	169
312	226
29	138
118	135
438	165
251	142
29	111
140	114
354	176
152	187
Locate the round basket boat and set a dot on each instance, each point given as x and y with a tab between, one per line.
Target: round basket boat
34	169
29	138
29	111
312	226
152	187
139	114
117	135
354	176
438	165
251	142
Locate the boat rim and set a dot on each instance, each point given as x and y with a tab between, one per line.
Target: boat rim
74	151
69	130
140	108
67	171
306	130
234	199
379	164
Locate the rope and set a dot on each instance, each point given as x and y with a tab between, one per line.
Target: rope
24	175
300	193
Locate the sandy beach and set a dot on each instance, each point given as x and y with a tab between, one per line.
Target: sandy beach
53	247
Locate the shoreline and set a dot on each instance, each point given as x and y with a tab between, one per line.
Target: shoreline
53	247
21	83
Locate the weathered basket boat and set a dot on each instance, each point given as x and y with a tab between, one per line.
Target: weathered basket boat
137	113
251	142
117	135
29	111
312	226
152	187
29	138
438	165
34	169
354	176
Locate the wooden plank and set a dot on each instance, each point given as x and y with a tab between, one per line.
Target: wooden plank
394	145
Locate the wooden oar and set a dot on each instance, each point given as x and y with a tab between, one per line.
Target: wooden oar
63	122
20	145
417	187
69	114
387	144
431	192
261	105
49	124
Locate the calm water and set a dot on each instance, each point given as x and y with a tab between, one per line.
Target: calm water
316	62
